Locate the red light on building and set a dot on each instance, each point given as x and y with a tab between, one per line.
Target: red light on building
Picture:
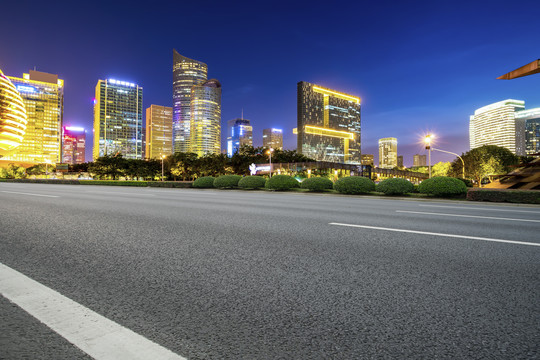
73	145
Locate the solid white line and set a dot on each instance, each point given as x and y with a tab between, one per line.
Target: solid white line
438	234
23	193
467	216
477	208
94	334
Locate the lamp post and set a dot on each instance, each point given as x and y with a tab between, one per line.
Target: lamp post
449	152
270	153
427	141
162	158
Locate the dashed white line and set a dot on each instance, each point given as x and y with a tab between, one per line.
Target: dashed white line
467	216
477	208
30	194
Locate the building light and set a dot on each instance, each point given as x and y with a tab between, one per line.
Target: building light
25	88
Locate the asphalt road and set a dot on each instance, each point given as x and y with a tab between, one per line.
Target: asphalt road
214	274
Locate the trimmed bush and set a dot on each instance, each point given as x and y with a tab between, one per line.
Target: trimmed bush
113	182
354	185
442	186
204	182
170	184
317	184
252	182
227	181
281	182
395	186
504	195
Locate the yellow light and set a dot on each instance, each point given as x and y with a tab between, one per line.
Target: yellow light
295	131
336	94
315	130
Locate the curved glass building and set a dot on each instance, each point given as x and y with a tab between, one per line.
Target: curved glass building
13	117
206	118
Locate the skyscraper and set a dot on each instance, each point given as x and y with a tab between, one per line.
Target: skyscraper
13	118
400	161
328	124
205	132
118	119
159	134
388	158
532	129
43	97
73	145
419	160
273	138
186	74
240	132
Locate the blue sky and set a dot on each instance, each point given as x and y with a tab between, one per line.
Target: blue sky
419	66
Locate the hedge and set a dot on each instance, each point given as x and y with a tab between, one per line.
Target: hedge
354	185
281	182
252	182
170	184
317	184
443	186
113	182
395	186
504	195
227	181
204	182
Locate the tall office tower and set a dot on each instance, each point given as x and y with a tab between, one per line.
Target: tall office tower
388	153
497	124
240	132
400	161
12	117
532	129
43	97
159	131
118	119
73	145
367	159
328	124
205	132
186	74
273	138
419	160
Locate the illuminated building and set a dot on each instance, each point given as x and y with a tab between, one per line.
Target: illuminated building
419	160
497	124
388	158
43	98
273	138
532	129
186	74
205	132
367	159
73	145
400	161
159	135
12	117
240	132
328	124
118	119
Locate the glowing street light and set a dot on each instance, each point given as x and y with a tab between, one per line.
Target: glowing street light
270	153
427	141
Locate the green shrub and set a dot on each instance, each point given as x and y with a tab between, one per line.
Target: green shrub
395	186
252	182
442	186
113	182
467	182
170	184
227	181
281	182
317	184
204	182
354	185
504	195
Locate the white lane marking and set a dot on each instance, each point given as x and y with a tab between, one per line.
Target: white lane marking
477	208
438	234
94	334
31	194
467	216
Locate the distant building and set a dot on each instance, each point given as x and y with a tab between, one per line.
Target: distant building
273	138
159	134
419	160
388	153
400	161
328	124
367	159
532	129
118	119
13	117
73	145
239	132
205	132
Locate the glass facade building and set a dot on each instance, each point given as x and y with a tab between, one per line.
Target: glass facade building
205	132
273	138
13	118
531	117
388	157
118	119
328	124
239	132
73	145
159	134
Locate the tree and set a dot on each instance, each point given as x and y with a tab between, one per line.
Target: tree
182	165
112	166
441	169
13	172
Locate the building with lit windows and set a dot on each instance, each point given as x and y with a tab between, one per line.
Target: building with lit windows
205	132
159	131
187	73
388	158
43	98
532	129
497	124
239	133
73	145
419	160
367	159
273	138
118	119
400	161
328	124
12	117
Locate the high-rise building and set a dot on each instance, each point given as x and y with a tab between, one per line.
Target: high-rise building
205	132
13	118
419	160
367	159
388	158
43	97
400	161
273	138
73	145
118	119
532	129
328	124
159	132
497	124
240	132
186	74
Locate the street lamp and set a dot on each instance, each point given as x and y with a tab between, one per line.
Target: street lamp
162	158
427	141
449	152
270	153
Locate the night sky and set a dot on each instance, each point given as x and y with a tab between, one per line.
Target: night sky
418	66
